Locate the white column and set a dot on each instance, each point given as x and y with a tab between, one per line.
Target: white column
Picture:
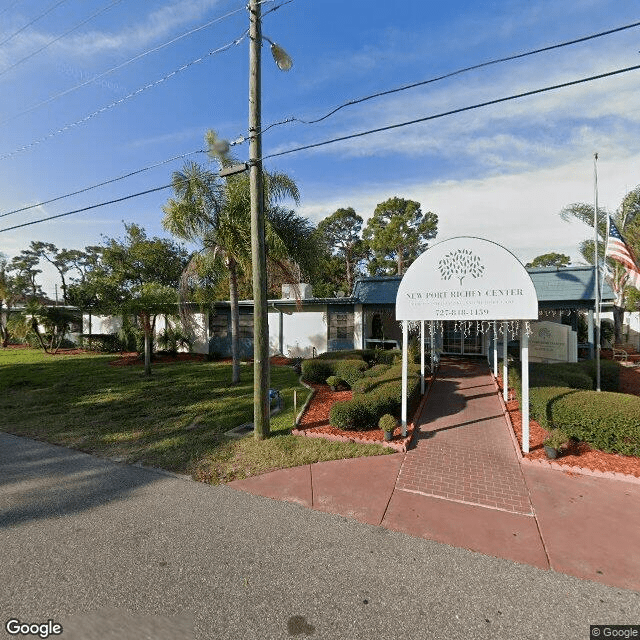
405	367
433	345
524	359
495	349
422	357
505	376
590	333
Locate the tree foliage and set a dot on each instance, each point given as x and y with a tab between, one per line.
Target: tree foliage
139	276
625	218
551	259
397	233
340	232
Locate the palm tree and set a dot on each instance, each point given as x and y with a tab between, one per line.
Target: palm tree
624	218
216	214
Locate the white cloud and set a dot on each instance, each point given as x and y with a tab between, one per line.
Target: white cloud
519	211
151	27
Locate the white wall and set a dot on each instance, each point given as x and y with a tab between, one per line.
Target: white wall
302	331
101	324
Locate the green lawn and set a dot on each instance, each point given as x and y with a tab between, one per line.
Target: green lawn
174	419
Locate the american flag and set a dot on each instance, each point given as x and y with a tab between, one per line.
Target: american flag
618	250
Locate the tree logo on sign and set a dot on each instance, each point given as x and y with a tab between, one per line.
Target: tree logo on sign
460	263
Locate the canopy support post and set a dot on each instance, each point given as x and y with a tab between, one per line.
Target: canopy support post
405	368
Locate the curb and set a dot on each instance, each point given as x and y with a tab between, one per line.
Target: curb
550	464
400	446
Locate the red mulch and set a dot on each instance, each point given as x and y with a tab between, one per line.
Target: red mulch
579	454
316	419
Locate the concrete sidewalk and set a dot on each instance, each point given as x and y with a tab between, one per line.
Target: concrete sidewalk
463	484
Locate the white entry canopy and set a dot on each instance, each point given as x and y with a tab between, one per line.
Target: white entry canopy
466	278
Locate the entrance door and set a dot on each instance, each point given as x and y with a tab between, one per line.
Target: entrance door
454	342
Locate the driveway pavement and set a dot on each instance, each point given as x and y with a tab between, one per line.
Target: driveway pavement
114	551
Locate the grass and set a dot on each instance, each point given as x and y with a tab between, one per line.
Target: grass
175	419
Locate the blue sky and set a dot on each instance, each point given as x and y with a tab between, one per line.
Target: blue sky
501	172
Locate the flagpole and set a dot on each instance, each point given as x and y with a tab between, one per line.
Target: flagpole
597	269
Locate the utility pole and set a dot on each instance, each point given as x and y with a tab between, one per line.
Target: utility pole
258	255
597	269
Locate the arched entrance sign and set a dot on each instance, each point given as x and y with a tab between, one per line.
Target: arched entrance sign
466	279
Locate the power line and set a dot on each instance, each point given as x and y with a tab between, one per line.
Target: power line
42	15
102	184
120	66
452	112
66	33
454	73
93	206
351	136
124	99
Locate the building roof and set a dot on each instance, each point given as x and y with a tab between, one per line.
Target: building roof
555	286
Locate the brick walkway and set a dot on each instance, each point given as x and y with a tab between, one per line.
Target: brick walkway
464	451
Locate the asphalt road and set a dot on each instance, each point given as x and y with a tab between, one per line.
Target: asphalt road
113	551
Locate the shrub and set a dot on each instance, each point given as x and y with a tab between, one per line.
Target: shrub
365	409
368	355
101	342
556	438
541	400
334	381
351	415
560	374
609	374
350	370
317	370
606	421
387	422
388	356
377	370
361	386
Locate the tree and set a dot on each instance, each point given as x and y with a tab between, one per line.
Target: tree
216	214
550	260
24	265
397	233
139	276
625	218
10	293
341	233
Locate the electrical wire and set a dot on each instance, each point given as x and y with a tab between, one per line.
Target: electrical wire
102	184
452	74
124	99
120	66
453	111
93	206
42	15
351	136
66	33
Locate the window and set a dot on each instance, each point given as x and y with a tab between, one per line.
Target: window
219	325
341	326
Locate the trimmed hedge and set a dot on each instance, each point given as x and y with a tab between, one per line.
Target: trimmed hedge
348	354
365	409
607	421
317	370
377	370
350	370
561	398
609	373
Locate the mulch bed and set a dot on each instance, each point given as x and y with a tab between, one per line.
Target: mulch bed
315	422
580	454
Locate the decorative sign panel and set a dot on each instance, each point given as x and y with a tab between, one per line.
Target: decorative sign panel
466	279
550	342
